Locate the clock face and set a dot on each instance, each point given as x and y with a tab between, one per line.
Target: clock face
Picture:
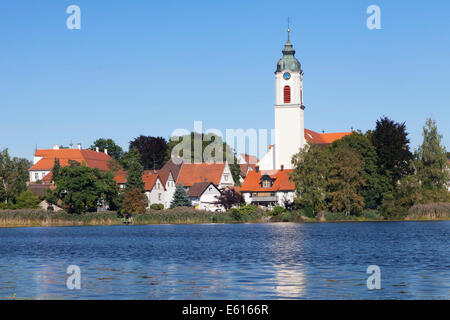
286	76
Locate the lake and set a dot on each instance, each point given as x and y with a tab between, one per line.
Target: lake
232	261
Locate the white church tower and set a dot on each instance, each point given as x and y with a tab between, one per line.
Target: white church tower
289	109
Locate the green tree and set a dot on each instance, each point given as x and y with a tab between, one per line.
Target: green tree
135	171
114	150
209	143
392	146
14	175
180	198
82	189
310	172
345	181
56	169
431	158
376	184
27	200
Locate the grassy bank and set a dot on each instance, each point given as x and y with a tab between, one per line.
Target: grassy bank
39	218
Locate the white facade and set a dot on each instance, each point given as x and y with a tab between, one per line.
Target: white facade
208	199
156	194
38	175
282	196
226	180
170	190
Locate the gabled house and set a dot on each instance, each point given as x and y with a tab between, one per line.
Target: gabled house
217	173
268	188
204	196
168	181
154	189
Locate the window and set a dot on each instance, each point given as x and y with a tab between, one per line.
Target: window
36	176
225	176
287	94
266	184
159	196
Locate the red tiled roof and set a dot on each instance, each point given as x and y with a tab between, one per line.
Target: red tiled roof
191	173
163	174
324	138
121	177
149	181
252	182
173	167
48	177
93	159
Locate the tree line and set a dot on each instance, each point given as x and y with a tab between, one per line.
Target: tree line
372	170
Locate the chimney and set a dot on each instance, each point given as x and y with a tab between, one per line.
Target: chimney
257	169
106	151
56	147
79	146
282	167
96	149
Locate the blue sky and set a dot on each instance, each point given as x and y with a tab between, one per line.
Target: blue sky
149	67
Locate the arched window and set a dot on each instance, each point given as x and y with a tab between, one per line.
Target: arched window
287	94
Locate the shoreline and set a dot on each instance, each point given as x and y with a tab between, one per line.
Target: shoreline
29	219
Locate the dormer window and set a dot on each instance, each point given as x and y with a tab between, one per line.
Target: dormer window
266	181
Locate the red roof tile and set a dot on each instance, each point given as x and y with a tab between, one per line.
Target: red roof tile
93	159
324	138
281	181
149	181
163	174
191	173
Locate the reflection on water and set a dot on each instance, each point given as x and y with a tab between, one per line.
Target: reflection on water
246	261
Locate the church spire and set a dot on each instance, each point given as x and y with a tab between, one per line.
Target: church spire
288	31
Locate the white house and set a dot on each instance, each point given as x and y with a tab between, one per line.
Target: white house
204	196
268	188
154	189
168	181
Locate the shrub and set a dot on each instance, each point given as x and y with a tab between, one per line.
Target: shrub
248	209
440	210
278	210
308	212
157	206
27	200
236	214
370	214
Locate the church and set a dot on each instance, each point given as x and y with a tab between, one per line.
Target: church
269	183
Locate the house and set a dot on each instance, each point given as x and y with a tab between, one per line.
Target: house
204	196
44	160
217	173
154	189
168	181
268	188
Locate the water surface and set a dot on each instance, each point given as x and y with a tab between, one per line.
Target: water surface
235	261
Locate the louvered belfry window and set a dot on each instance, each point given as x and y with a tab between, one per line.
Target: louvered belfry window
287	94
